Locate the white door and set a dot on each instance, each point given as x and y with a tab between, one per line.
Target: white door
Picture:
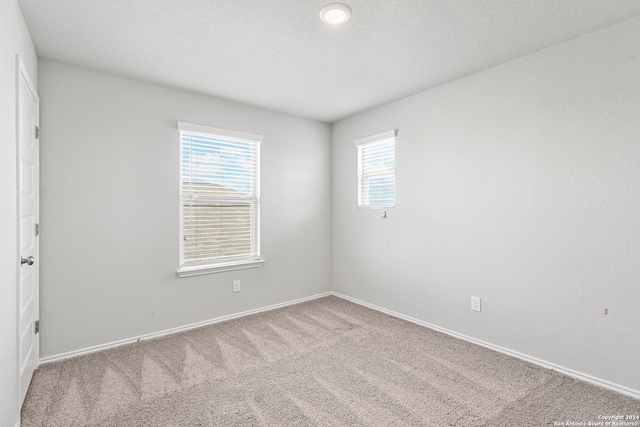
27	122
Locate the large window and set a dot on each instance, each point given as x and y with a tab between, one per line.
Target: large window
219	200
376	170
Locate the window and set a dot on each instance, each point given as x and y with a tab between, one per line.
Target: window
376	170
219	200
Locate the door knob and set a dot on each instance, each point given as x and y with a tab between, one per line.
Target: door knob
29	261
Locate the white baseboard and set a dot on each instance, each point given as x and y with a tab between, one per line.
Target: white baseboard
548	365
76	353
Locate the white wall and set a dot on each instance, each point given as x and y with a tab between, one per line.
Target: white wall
109	209
14	40
520	185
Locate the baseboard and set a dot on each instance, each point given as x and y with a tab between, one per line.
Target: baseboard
548	365
76	353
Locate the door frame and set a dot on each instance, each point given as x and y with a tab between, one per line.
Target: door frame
22	73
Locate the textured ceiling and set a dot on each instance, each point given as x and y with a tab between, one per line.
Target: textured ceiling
277	54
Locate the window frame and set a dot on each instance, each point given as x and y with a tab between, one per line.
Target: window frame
361	144
229	263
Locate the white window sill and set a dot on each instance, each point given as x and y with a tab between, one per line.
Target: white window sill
218	268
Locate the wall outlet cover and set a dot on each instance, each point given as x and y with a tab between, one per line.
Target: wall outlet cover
475	304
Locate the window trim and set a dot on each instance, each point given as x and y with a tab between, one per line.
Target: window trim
199	270
229	264
390	134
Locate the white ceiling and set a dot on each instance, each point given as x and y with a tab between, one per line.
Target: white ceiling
277	54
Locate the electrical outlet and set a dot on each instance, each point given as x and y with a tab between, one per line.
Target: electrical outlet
236	286
475	304
606	311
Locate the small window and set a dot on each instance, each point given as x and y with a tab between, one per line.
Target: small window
219	200
376	170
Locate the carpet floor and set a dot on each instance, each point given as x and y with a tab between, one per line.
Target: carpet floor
326	362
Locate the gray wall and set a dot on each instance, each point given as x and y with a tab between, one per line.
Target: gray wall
520	185
14	39
109	209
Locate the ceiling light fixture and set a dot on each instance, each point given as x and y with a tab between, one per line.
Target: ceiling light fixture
335	13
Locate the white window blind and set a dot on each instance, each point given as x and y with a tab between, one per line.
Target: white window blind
219	195
376	170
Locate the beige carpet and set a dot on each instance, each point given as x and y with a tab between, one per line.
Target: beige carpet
326	362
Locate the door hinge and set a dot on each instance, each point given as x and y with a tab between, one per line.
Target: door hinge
37	132
37	229
37	326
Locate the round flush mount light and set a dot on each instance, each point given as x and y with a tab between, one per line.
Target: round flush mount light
335	13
